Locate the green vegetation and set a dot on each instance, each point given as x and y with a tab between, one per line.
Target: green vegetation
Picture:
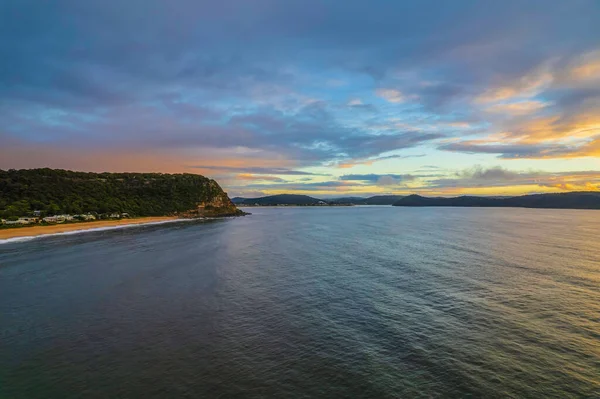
281	199
375	200
573	200
305	200
54	191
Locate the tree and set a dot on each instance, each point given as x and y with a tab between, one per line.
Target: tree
139	194
52	209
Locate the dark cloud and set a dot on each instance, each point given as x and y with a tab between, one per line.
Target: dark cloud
359	146
511	151
383	158
373	177
314	186
102	50
470	178
250	76
494	173
497	176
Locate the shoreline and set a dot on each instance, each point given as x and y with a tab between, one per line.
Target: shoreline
36	231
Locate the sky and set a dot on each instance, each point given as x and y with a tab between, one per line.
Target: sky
317	97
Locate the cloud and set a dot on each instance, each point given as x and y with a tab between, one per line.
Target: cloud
388	181
477	180
504	150
586	69
371	161
374	178
479	172
496	177
314	186
244	88
517	108
251	177
391	95
590	148
358	105
259	170
527	86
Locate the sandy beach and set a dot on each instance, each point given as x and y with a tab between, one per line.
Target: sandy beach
63	228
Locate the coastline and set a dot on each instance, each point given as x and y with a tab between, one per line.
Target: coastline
35	231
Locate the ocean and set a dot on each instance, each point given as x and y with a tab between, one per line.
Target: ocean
320	302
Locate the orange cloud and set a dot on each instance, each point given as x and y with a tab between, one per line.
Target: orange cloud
19	156
351	164
588	71
517	108
525	87
555	129
251	177
587	68
520	118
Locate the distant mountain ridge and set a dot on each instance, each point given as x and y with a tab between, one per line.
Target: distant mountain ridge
572	200
281	199
347	200
383	199
305	200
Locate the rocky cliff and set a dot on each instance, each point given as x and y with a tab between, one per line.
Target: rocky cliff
218	205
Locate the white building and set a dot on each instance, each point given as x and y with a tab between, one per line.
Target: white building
87	216
27	220
57	218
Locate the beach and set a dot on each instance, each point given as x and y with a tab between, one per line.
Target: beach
65	228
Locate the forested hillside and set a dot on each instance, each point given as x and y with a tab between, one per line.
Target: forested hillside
139	194
572	200
280	199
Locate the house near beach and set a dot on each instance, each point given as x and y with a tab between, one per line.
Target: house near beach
21	220
28	220
58	218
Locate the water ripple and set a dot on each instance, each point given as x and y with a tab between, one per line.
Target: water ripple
355	302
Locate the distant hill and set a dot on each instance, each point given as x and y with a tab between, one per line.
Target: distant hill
56	191
293	199
348	200
375	200
573	200
281	199
383	199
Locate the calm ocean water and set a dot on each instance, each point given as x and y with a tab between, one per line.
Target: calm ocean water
360	302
